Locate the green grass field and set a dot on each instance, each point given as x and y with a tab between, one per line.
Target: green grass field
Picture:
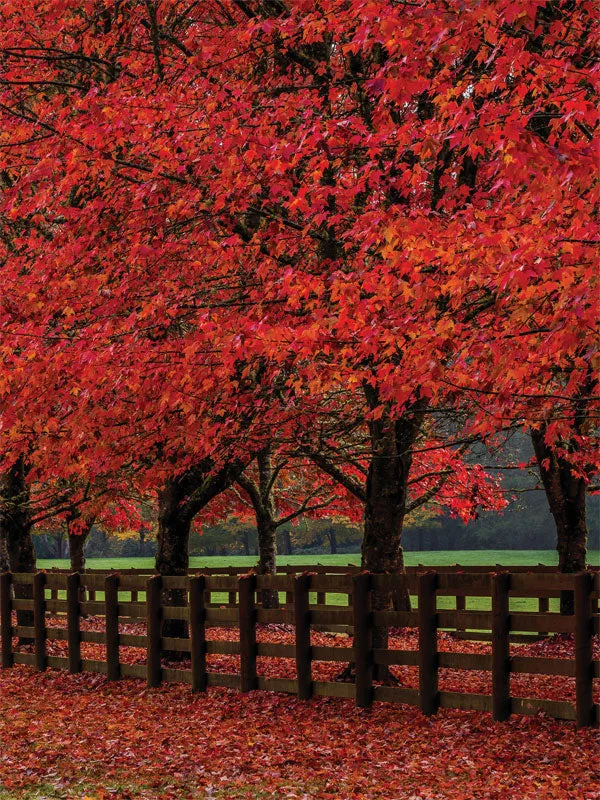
427	558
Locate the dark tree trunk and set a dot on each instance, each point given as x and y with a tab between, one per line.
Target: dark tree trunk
172	556
4	562
385	508
15	522
77	542
332	540
267	564
566	495
246	542
77	552
286	543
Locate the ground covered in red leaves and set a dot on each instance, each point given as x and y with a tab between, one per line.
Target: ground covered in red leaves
64	736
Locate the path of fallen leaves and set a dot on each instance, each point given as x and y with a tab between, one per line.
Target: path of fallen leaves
78	736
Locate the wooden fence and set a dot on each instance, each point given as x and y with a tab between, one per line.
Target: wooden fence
121	600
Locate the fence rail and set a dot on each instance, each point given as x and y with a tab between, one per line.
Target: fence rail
32	597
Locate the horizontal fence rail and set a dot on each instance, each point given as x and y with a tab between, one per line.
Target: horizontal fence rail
178	612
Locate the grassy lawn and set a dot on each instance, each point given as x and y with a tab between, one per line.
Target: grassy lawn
426	557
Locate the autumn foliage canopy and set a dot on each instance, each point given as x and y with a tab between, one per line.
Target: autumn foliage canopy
325	226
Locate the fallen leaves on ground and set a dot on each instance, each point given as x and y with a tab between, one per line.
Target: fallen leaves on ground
72	736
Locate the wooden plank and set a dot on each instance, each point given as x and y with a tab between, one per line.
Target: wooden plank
58	662
96	637
197	610
128	582
23	578
337	584
542	666
428	656
337	654
73	618
466	701
333	689
131	610
396	694
175	582
221	583
584	666
558	709
153	630
22	605
363	639
465	620
247	623
222	616
287	685
56	606
271	650
39	621
275	616
172	675
302	636
534	583
408	658
88	609
501	584
464	584
333	616
134	671
133	640
174	612
92	665
24	658
396	619
175	644
281	583
467	661
111	626
223	648
6	620
223	679
556	623
60	634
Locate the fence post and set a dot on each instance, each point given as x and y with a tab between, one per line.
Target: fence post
6	619
154	633
247	621
461	605
111	611
584	665
197	612
303	649
39	620
363	639
501	706
73	631
429	697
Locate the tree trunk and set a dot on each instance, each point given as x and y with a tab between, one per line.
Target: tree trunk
332	540
15	522
385	509
566	495
267	565
77	542
4	562
246	542
172	556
